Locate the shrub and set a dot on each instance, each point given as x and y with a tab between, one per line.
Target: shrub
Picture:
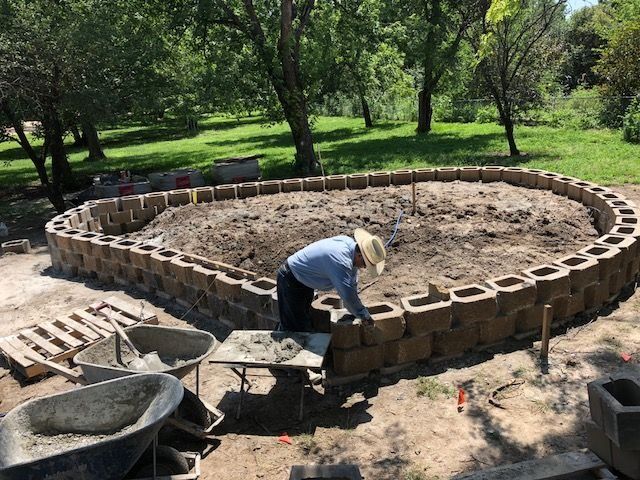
631	122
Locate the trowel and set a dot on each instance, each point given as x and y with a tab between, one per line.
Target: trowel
147	362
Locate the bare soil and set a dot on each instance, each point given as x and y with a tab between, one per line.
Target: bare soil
461	233
382	424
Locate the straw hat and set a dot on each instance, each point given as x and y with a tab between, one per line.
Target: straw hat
372	249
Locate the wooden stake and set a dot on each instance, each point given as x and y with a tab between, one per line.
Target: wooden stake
413	196
546	330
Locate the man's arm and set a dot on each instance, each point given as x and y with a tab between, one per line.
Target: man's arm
345	284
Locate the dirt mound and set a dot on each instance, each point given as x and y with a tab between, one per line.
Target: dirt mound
461	232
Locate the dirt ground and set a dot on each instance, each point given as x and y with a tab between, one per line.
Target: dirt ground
382	424
462	232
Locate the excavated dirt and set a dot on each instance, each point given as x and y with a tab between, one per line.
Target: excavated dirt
461	233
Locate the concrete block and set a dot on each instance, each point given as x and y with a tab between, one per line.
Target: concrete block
101	246
628	220
560	185
250	189
104	278
575	190
180	196
269	187
110	267
345	330
530	318
51	233
159	200
626	462
358	360
379	179
426	313
224	192
512	175
336	182
217	306
470	174
388	323
140	255
530	177
74	259
569	306
628	245
120	250
596	295
600	199
473	303
16	246
551	281
615	406
256	295
112	229
64	236
583	271
545	180
491	173
134	226
589	194
609	258
181	269
172	287
407	349
456	341
313	184
202	195
632	270
229	285
92	263
107	205
69	219
203	278
321	309
628	231
598	442
401	177
275	311
132	274
292	185
241	316
356	181
447	174
145	214
424	174
132	202
160	261
70	270
497	329
81	243
617	282
513	293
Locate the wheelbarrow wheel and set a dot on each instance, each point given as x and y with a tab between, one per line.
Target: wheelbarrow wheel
169	461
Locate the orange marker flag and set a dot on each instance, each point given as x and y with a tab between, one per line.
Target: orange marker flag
284	438
461	399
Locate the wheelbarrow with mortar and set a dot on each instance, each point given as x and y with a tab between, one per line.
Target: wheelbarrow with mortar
97	432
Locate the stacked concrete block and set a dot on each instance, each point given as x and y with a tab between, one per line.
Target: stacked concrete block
357	360
16	246
379	179
424	175
202	195
345	331
612	269
560	185
107	205
256	296
158	200
407	350
269	187
545	180
321	309
491	173
447	174
292	185
336	182
251	189
530	177
512	175
516	297
224	192
388	324
145	214
426	313
401	177
612	433
132	202
180	196
552	286
470	174
575	190
229	286
357	181
497	329
472	304
456	341
583	280
589	194
627	245
313	184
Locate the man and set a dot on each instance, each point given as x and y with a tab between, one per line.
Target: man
323	265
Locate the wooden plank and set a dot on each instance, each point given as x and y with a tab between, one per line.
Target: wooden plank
32	370
43	343
61	334
547	315
58	369
79	327
129	309
120	318
565	465
102	327
14	354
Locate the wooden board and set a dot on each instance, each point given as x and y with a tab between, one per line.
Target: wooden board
59	340
232	353
556	467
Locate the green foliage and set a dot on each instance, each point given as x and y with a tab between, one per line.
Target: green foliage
631	122
432	388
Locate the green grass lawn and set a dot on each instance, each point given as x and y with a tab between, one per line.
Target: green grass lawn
346	146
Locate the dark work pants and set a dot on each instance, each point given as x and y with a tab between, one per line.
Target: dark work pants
294	302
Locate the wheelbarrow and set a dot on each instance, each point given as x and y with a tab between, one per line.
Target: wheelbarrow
181	349
96	432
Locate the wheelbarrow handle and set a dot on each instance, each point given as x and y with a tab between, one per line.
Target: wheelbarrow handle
119	331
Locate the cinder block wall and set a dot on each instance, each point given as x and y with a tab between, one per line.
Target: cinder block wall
87	241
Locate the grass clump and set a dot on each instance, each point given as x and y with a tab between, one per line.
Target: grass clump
432	388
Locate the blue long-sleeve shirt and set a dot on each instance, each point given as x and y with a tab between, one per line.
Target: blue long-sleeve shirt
328	264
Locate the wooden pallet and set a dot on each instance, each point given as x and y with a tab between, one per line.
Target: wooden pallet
60	339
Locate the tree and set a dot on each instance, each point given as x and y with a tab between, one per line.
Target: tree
513	55
275	34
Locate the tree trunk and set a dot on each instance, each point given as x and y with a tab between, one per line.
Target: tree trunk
366	113
60	168
302	138
425	111
508	127
79	140
93	141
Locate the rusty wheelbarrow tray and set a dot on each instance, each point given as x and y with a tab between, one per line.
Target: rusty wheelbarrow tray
96	432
